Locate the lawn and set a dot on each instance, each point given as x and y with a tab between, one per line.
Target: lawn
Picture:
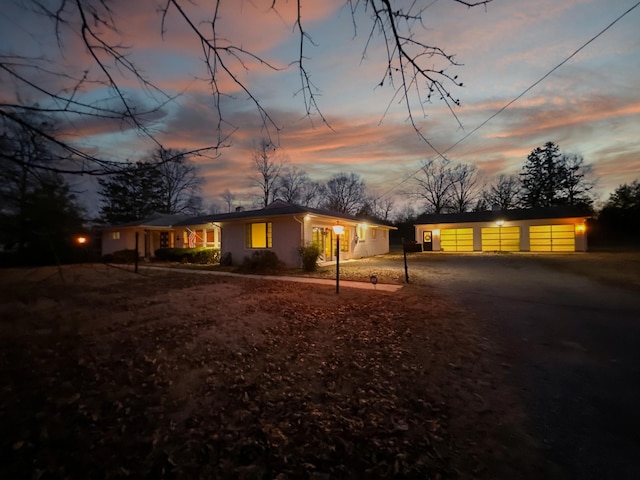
613	268
109	374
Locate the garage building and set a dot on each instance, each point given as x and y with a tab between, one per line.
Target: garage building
559	229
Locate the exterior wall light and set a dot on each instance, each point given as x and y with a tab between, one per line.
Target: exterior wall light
81	240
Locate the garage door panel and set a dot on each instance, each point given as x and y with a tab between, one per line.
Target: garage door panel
552	238
456	240
505	239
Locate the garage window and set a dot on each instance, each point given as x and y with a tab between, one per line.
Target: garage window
456	240
552	238
501	239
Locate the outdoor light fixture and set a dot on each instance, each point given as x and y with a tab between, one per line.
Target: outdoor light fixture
338	230
307	217
500	223
580	228
81	239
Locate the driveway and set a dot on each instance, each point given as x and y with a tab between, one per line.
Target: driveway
573	346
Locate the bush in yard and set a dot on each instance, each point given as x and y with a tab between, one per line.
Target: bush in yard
262	261
121	256
309	254
188	255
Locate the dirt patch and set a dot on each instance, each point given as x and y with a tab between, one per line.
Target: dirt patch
109	374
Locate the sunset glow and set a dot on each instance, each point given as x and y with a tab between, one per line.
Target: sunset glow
588	106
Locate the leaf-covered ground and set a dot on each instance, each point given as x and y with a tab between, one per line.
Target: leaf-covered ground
107	374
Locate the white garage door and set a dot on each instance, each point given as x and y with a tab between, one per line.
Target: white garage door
552	238
456	240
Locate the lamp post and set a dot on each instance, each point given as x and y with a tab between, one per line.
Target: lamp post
338	230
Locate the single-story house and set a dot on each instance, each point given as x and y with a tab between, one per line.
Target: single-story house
280	227
557	229
158	231
284	227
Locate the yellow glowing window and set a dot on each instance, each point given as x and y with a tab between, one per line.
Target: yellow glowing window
344	240
115	235
500	239
258	235
456	240
361	233
552	238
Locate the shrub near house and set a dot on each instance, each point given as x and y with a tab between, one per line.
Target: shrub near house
189	255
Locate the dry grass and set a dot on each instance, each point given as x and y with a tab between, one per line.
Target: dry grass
173	375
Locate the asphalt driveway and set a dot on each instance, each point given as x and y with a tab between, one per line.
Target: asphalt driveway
573	347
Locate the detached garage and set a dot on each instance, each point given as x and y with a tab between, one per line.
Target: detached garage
561	229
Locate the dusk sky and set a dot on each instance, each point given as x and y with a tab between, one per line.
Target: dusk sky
589	106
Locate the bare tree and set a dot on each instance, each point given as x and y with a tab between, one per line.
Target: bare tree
292	183
181	184
214	208
267	166
228	198
312	194
503	192
465	187
577	180
66	85
379	208
434	184
345	193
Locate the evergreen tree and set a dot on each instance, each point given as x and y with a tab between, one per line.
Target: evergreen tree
620	215
551	178
167	183
39	214
541	177
131	194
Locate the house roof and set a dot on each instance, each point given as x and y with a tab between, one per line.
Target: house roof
274	209
154	220
567	211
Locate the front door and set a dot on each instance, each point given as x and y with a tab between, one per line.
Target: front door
427	243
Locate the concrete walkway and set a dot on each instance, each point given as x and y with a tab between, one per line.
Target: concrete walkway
383	287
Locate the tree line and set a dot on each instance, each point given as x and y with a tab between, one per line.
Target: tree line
40	209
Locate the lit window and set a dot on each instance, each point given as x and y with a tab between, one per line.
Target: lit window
344	240
361	232
258	235
115	235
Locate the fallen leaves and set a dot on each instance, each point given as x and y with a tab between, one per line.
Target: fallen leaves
257	380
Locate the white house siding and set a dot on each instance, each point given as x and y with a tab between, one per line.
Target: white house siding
286	239
127	241
148	241
369	246
525	242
